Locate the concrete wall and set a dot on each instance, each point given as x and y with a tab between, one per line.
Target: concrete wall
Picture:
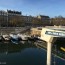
8	30
36	32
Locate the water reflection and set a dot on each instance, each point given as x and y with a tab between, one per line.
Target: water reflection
25	53
21	54
8	47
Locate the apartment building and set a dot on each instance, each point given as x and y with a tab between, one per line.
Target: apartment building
44	19
14	18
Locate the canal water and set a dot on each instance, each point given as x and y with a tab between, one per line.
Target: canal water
25	54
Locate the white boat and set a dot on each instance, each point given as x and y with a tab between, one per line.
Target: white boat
14	38
6	37
23	36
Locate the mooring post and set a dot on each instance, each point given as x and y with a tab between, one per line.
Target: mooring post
49	45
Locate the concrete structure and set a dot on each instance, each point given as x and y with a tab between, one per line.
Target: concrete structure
36	31
50	34
8	30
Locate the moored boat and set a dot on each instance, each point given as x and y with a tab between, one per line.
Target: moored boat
23	37
14	38
6	37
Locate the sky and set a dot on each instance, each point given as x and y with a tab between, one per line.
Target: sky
50	8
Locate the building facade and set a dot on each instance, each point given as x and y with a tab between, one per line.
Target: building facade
3	18
13	18
44	19
7	17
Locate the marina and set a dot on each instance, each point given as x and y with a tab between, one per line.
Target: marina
55	50
32	32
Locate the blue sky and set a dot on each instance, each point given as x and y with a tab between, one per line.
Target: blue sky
35	7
